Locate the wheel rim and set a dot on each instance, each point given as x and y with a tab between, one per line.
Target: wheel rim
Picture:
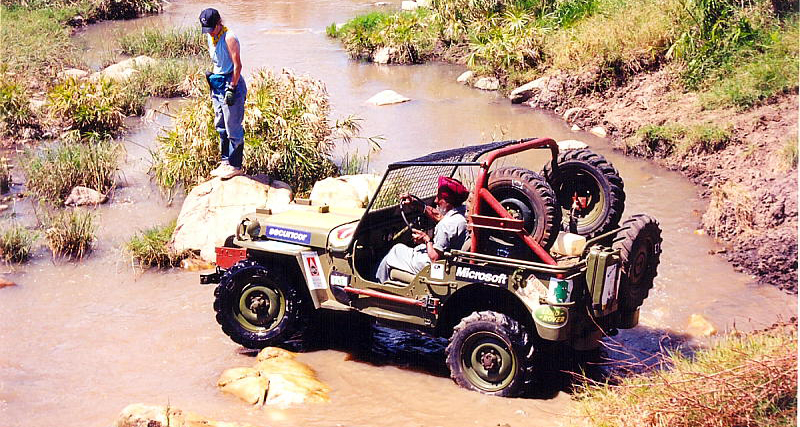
519	210
488	362
261	308
581	184
639	262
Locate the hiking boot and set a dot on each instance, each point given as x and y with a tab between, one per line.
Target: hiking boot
223	169
234	171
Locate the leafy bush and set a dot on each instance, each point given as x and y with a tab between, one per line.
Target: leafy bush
509	44
287	135
15	111
742	380
88	110
151	247
410	36
16	243
55	169
70	233
174	43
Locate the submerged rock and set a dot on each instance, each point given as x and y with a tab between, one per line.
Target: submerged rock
465	76
276	379
141	415
352	191
387	97
82	196
212	209
487	83
700	327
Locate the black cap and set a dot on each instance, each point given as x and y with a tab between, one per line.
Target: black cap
209	19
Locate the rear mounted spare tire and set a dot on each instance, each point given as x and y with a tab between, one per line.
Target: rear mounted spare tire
640	252
590	179
527	196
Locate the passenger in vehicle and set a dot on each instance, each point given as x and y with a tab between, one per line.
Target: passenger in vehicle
450	231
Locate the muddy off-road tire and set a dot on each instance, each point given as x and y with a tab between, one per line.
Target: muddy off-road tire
583	173
491	353
527	196
258	308
640	252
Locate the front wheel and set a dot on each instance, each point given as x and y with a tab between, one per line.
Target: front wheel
489	352
639	245
255	307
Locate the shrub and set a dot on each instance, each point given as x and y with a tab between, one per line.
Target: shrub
287	135
151	247
88	110
742	380
70	233
121	9
410	36
174	43
15	111
55	169
16	243
509	44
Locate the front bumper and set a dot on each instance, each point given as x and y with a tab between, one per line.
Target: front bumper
210	278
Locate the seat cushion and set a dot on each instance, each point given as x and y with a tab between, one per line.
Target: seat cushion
401	276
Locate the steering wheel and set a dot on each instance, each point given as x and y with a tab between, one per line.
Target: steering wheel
415	207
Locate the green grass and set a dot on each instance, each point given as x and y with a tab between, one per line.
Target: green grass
157	43
89	110
16	243
151	248
70	233
53	170
168	78
288	135
742	380
15	111
354	164
669	139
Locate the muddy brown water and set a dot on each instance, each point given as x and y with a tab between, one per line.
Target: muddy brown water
79	341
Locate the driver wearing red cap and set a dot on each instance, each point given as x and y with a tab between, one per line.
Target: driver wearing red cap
450	231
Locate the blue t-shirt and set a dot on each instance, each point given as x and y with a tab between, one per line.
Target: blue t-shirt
223	64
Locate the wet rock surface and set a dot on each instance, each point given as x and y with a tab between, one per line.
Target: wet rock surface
82	196
141	415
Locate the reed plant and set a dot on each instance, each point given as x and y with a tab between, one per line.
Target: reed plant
167	78
16	243
86	109
157	43
15	111
151	247
354	163
70	233
54	170
741	380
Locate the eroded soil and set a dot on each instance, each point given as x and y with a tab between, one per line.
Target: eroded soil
752	193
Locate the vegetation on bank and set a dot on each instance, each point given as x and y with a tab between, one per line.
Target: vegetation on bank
742	380
288	135
735	53
16	243
673	138
70	233
151	247
157	43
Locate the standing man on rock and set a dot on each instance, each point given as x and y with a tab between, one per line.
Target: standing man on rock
228	92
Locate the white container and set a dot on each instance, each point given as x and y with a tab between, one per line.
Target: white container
569	244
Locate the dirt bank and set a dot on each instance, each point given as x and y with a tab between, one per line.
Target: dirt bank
752	193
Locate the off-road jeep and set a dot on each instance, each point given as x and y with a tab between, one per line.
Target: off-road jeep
498	298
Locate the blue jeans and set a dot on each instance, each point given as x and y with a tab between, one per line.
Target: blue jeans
228	122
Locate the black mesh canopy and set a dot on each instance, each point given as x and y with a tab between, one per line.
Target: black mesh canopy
462	154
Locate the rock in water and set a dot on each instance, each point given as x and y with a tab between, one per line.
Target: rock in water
465	76
81	196
5	283
194	264
212	209
599	131
141	415
351	191
487	83
383	55
409	5
123	70
276	379
387	97
526	91
571	144
700	327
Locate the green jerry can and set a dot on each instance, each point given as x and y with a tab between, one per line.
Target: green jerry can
602	278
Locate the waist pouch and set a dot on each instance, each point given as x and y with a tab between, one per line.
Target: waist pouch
216	82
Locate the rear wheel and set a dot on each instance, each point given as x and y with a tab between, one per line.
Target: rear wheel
256	308
489	352
526	196
640	253
589	191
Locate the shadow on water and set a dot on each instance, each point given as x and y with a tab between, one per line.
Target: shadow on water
558	368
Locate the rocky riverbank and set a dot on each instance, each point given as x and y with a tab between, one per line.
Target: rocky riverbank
749	178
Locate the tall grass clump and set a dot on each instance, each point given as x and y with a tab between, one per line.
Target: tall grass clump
288	135
15	111
173	43
151	247
53	170
167	78
354	164
70	233
669	139
788	154
742	380
86	110
16	243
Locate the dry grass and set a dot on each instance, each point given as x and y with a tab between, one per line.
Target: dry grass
731	210
16	243
70	233
741	381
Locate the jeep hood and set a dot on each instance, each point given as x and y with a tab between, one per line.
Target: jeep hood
310	225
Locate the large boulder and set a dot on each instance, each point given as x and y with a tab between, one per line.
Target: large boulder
123	70
141	415
387	97
352	191
212	209
276	379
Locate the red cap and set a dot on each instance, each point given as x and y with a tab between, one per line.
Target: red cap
452	190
